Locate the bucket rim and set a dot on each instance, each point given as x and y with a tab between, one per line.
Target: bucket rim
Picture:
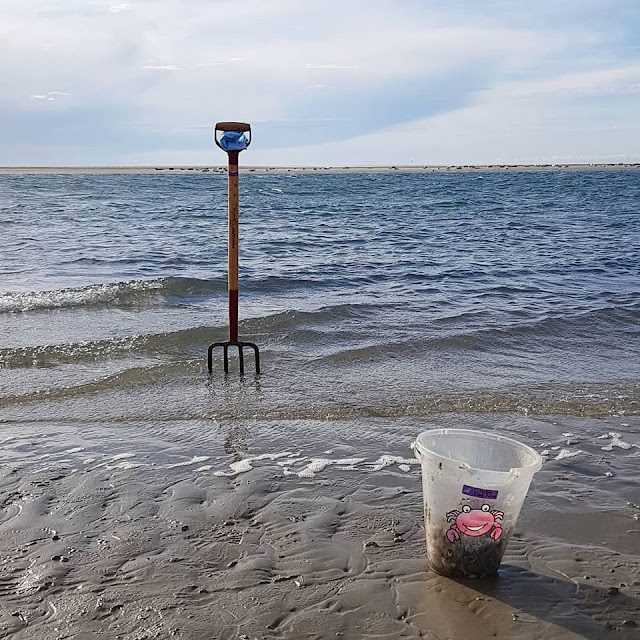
533	466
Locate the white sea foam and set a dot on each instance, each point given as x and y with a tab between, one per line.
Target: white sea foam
565	453
320	464
187	463
314	465
242	466
386	461
290	461
616	441
126	465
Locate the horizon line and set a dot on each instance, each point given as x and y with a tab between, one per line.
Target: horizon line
417	168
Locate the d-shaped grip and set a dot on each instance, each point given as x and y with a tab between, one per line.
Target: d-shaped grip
238	127
233	126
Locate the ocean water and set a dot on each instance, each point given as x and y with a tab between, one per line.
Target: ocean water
369	295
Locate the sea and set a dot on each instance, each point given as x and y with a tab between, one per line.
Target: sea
374	298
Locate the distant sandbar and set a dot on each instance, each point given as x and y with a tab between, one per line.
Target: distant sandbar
178	169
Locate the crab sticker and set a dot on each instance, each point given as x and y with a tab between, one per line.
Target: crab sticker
474	522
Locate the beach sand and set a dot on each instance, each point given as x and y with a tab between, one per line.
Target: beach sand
124	545
334	169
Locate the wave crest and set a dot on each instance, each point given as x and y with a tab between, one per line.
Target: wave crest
118	294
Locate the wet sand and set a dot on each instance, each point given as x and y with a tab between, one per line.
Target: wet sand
413	168
101	537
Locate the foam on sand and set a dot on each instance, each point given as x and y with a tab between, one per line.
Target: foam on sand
616	441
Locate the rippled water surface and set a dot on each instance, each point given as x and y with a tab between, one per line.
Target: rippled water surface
368	294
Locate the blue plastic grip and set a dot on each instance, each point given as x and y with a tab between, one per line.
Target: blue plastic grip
233	141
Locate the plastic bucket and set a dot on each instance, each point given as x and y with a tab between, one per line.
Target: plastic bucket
473	486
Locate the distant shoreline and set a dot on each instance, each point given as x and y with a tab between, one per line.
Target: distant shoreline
187	169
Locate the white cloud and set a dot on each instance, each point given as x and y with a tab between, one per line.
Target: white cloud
50	96
599	82
161	67
459	67
507	125
312	65
119	8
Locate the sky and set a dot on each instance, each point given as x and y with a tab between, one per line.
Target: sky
322	82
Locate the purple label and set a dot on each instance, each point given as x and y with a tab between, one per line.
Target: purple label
485	494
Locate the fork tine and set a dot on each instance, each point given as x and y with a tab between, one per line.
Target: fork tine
256	354
226	358
256	357
241	357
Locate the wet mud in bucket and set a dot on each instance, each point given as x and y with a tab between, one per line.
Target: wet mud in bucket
467	558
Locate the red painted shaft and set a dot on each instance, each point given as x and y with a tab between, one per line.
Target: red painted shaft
233	315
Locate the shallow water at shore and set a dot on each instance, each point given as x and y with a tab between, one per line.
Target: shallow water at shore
366	293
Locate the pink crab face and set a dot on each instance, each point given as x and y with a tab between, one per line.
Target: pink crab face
475	522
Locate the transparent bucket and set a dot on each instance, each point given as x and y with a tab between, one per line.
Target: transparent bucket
473	485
